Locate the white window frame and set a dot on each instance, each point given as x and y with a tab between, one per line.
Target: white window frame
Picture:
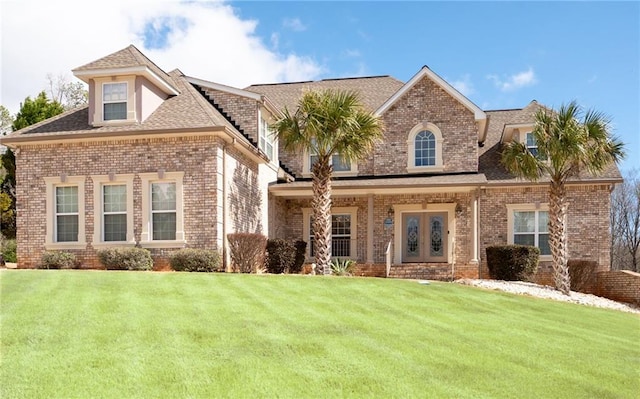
146	237
535	207
411	149
351	211
306	166
266	137
105	102
98	98
99	181
51	183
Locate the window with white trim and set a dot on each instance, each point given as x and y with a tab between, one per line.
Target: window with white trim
162	210
343	232
114	101
65	223
339	163
266	139
67	215
114	212
113	219
424	148
530	226
530	143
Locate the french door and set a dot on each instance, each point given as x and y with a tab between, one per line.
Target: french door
424	237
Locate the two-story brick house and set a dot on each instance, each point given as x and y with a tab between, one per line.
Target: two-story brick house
165	161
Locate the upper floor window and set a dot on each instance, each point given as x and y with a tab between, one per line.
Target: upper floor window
114	101
530	142
266	138
340	164
424	148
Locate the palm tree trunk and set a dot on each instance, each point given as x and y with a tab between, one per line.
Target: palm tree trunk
558	236
321	205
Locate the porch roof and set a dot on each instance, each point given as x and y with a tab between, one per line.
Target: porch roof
385	185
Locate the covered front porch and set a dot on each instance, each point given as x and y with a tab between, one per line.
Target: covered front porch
405	227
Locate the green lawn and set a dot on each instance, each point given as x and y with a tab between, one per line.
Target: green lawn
95	334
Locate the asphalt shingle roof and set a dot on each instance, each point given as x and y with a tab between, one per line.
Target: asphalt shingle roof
373	90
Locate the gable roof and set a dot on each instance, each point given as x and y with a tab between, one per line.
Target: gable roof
373	90
480	116
187	111
129	59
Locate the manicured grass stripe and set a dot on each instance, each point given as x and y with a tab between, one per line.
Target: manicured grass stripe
77	334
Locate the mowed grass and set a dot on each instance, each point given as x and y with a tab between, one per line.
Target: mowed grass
96	334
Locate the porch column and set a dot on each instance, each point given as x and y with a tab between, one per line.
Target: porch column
474	228
370	229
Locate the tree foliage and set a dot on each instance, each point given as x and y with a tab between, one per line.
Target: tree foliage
31	111
625	224
569	142
327	123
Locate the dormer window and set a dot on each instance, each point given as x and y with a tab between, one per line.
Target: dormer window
114	101
530	142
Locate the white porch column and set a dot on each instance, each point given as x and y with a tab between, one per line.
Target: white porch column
475	255
370	229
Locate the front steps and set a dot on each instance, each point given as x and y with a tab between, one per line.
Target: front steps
422	271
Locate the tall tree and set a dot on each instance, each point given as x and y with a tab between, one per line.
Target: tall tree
625	224
569	142
327	123
31	111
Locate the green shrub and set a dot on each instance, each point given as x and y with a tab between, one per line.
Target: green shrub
9	251
129	258
512	262
582	274
301	253
247	251
195	260
280	256
342	267
58	260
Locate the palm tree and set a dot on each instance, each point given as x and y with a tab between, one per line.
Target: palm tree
327	123
569	142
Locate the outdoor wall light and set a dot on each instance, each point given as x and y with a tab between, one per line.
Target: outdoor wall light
459	210
390	212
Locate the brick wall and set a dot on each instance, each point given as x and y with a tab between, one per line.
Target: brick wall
619	285
427	102
195	156
587	222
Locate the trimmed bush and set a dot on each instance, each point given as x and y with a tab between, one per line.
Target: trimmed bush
129	258
582	274
9	251
512	262
58	260
342	267
195	260
280	256
247	251
301	253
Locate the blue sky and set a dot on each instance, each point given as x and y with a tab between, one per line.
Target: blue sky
499	54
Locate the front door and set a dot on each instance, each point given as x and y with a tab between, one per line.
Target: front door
424	237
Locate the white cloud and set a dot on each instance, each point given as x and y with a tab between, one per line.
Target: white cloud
515	81
206	40
351	53
294	24
464	85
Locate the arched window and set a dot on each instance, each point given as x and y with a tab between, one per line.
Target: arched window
424	148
